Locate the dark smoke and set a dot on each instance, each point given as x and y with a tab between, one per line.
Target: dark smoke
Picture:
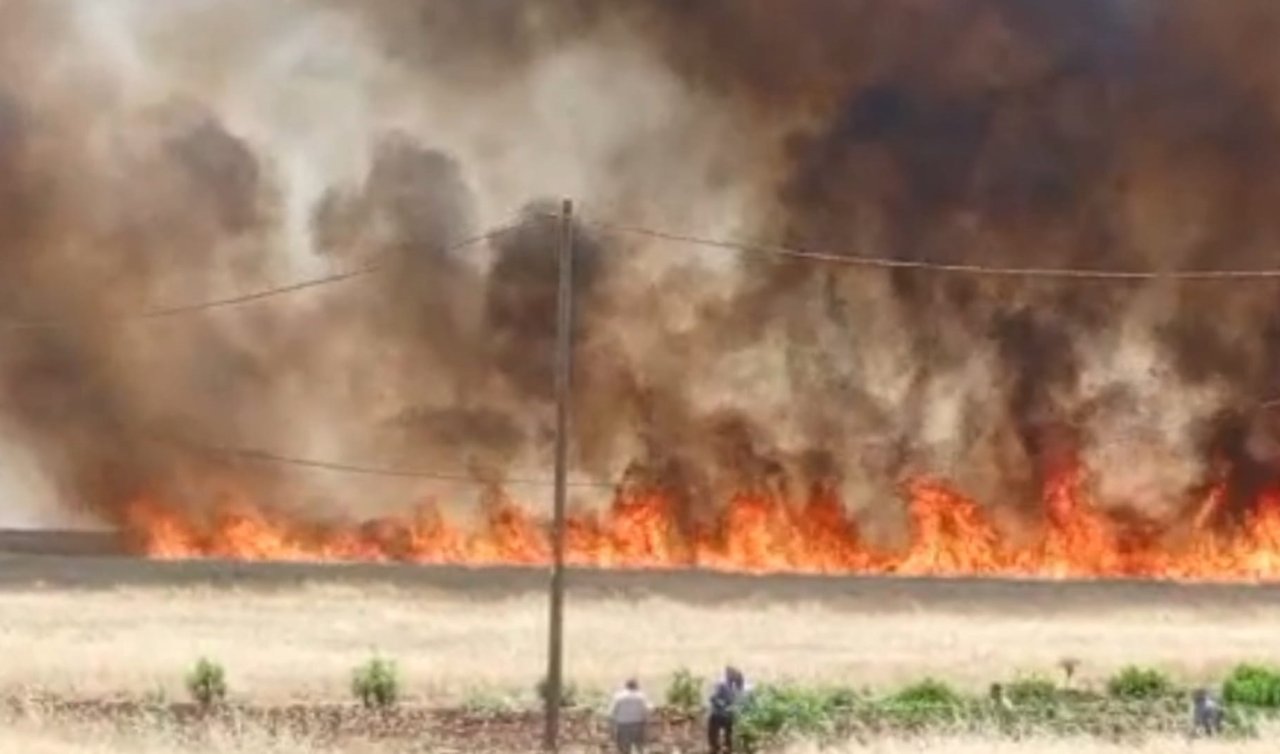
1107	134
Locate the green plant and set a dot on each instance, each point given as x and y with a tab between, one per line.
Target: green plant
376	684
488	702
1253	685
1033	689
684	692
1133	682
842	699
568	693
207	683
927	693
774	713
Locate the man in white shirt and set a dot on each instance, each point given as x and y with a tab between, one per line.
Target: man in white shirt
629	714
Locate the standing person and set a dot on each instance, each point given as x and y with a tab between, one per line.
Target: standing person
1206	714
629	714
725	699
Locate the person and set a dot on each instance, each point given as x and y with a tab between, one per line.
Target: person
724	703
1206	713
629	714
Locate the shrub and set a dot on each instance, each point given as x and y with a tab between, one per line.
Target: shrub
684	692
1253	685
376	684
928	693
484	702
207	683
568	693
841	699
1134	682
774	713
1032	689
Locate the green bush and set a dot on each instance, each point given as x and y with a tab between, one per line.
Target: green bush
684	692
1135	682
376	684
841	699
928	693
1032	689
1253	685
207	683
776	713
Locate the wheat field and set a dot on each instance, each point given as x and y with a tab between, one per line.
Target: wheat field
301	644
33	738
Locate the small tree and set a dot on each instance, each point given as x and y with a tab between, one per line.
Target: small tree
1253	686
1134	682
376	684
684	692
207	683
928	693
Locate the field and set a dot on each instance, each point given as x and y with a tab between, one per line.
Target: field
88	632
79	740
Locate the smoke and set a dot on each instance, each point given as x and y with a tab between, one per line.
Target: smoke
157	156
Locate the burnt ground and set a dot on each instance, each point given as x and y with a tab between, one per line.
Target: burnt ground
95	561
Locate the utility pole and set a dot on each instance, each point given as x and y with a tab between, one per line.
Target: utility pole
564	373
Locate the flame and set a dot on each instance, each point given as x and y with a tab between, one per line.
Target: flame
948	534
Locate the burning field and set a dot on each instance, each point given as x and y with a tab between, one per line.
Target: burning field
1041	337
950	536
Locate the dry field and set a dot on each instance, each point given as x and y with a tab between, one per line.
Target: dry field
300	643
32	738
101	628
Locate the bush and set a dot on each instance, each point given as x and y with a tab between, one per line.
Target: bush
376	684
568	693
1253	685
928	693
841	699
775	713
684	692
1032	690
207	683
1134	682
486	702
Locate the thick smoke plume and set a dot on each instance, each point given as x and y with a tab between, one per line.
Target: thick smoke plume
154	155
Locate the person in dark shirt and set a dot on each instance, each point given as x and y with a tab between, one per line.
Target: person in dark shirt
724	704
1206	713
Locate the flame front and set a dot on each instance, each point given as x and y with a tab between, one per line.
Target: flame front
948	535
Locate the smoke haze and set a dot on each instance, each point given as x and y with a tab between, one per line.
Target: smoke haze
154	155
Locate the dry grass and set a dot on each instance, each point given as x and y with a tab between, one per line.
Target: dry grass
1042	746
302	644
34	738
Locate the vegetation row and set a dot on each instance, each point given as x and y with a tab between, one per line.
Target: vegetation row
1135	701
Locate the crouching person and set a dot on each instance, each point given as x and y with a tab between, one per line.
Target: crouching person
1207	715
629	715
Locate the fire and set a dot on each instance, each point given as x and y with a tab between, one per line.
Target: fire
947	534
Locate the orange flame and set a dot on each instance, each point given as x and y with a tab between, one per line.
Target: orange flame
948	535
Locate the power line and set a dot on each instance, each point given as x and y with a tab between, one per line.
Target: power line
261	295
855	260
342	467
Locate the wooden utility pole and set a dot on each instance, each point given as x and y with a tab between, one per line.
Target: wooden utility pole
564	372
